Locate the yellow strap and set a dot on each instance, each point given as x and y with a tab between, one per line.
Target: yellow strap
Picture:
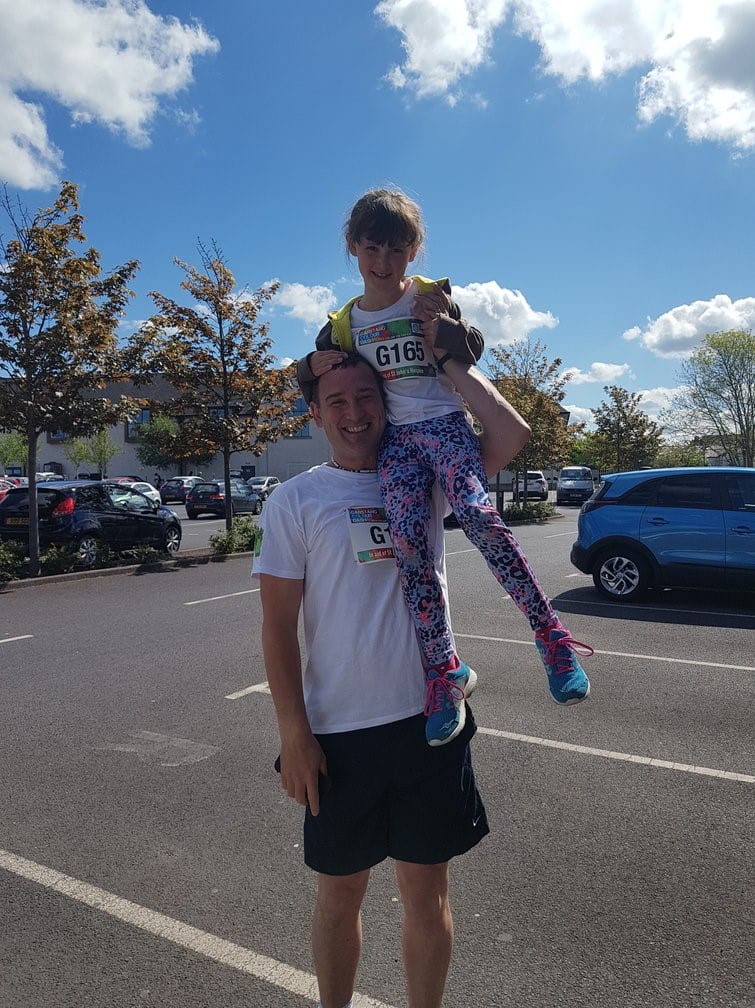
340	321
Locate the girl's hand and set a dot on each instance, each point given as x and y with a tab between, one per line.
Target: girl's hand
428	308
323	360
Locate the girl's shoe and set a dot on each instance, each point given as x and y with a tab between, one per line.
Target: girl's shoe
566	677
444	704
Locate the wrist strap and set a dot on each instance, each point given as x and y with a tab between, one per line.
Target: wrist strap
443	360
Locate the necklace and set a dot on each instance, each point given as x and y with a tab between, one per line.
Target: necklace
346	468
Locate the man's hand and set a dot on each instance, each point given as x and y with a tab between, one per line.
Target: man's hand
302	761
428	308
323	360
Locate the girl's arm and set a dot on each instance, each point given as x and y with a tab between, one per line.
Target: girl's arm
504	432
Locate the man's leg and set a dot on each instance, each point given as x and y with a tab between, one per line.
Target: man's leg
428	931
337	935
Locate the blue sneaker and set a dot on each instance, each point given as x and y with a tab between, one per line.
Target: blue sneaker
566	677
444	703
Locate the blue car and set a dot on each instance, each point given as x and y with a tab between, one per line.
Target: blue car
656	528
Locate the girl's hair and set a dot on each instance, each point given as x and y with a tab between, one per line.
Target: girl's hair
386	217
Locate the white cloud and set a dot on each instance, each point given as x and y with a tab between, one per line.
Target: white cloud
654	401
309	304
443	40
579	414
502	315
110	62
696	58
678	332
605	374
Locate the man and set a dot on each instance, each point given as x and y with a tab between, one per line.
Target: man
351	726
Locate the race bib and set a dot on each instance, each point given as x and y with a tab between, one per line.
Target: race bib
395	349
370	538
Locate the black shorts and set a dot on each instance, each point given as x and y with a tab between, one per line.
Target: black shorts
393	795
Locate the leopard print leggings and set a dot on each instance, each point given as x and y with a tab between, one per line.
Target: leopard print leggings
446	449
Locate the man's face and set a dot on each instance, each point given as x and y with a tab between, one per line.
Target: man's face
352	414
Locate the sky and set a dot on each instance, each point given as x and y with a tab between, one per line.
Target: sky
586	171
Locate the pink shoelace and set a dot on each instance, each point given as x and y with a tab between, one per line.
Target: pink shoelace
442	691
557	649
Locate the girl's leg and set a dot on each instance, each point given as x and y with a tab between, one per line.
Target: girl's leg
406	484
461	475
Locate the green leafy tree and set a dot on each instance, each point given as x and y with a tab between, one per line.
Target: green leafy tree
671	455
58	320
717	402
216	355
534	385
13	449
102	450
76	450
163	445
625	436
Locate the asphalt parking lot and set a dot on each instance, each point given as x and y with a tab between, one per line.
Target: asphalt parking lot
148	856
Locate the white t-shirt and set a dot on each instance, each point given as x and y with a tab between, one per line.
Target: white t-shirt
363	668
391	340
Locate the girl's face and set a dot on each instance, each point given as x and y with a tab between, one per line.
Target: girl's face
383	267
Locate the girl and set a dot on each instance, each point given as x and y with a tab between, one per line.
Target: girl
410	330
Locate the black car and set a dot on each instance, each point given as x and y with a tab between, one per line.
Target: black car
86	513
176	488
209	498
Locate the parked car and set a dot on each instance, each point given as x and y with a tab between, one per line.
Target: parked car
147	489
575	485
176	488
537	485
85	513
263	485
655	528
209	498
5	486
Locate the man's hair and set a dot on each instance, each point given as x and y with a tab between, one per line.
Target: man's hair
311	390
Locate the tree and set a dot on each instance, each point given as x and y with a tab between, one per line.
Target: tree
58	319
13	448
217	358
717	401
101	450
625	437
162	444
534	386
76	450
672	454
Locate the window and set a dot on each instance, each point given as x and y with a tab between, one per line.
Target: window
144	416
687	492
301	409
740	491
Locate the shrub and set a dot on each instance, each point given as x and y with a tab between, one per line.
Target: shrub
11	561
142	554
57	560
528	511
240	538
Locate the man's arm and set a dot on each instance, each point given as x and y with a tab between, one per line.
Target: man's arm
301	756
504	432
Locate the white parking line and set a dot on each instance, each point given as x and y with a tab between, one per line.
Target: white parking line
622	757
227	953
623	654
217	598
9	640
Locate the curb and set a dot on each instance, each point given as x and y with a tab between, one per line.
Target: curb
191	558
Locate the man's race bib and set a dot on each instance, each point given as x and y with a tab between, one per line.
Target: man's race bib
370	538
396	349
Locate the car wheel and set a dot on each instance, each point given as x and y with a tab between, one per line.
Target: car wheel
191	514
257	507
86	550
172	541
621	574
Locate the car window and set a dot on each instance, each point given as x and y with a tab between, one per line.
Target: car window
686	491
89	496
740	492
